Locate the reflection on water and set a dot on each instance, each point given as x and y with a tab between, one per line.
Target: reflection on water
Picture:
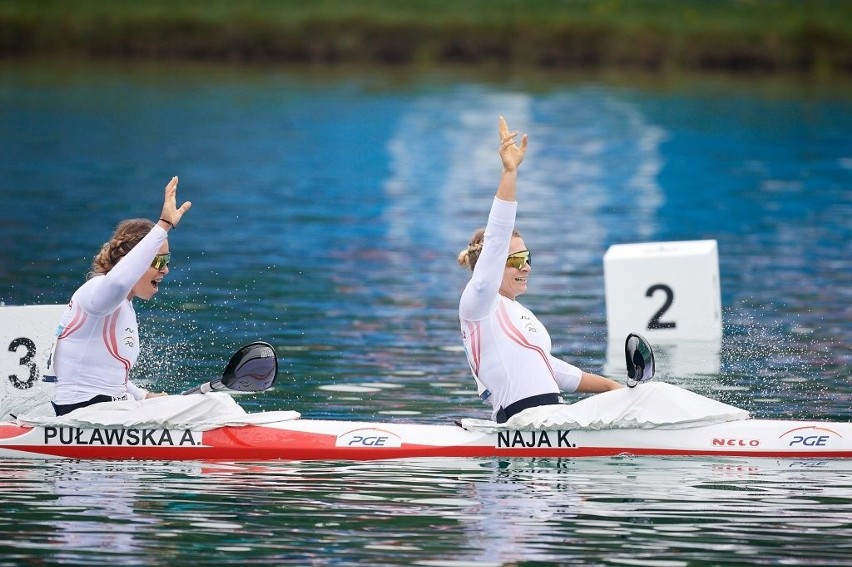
433	512
327	214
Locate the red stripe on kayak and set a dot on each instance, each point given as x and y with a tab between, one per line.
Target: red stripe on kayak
10	431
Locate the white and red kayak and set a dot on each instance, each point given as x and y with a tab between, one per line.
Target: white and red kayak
308	439
653	419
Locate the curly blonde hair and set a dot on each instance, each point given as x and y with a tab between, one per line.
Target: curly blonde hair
127	234
470	255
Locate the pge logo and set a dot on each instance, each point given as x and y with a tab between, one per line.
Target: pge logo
809	436
368	438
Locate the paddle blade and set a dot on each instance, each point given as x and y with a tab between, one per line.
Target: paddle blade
253	368
640	360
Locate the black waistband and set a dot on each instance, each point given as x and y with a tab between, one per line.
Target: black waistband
503	414
62	409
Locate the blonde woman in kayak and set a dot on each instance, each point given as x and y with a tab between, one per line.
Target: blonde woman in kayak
97	339
507	347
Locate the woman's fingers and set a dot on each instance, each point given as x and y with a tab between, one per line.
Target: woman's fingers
507	138
171	187
171	212
503	128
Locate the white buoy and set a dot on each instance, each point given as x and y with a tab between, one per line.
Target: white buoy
27	333
665	291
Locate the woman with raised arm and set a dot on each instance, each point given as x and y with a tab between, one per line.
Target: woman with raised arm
97	339
507	347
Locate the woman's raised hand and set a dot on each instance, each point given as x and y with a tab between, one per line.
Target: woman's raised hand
511	153
171	213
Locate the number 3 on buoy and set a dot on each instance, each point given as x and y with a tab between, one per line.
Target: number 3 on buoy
26	335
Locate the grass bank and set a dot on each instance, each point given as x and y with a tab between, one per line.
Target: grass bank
767	36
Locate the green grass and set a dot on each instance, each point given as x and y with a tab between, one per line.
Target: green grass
742	35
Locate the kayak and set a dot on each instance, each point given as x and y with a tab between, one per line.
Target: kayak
651	419
311	439
647	419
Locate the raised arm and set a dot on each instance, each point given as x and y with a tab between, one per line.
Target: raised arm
480	295
115	286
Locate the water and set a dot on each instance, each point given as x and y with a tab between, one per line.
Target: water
649	511
327	213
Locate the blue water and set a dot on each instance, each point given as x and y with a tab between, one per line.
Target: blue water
328	209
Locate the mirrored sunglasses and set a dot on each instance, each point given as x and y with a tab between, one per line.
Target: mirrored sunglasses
161	261
518	259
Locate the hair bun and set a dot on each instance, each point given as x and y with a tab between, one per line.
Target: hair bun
464	258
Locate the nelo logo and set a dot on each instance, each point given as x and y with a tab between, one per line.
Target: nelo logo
717	442
369	438
809	436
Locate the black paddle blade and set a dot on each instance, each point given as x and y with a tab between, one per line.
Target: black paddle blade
640	360
253	368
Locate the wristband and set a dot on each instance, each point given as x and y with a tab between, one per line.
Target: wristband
170	223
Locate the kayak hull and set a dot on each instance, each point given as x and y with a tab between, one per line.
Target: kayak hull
306	439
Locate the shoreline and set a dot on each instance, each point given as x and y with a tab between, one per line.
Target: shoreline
656	37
